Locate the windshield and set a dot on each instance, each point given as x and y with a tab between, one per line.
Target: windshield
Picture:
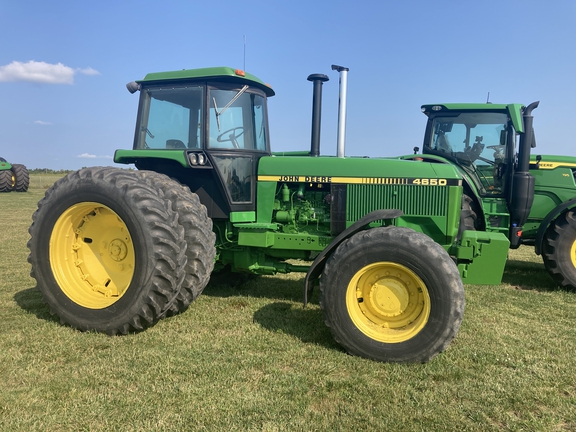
170	118
478	142
237	120
173	118
471	137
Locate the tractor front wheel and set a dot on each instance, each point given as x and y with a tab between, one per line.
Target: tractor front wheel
106	251
392	294
559	250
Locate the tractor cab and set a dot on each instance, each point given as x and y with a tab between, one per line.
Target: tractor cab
216	119
481	139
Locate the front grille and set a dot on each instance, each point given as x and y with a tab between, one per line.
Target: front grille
413	200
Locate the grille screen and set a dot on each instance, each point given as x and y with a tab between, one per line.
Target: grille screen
413	200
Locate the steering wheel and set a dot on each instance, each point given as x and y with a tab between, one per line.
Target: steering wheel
498	149
232	137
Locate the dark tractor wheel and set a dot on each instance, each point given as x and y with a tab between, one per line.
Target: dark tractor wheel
200	239
20	178
559	250
107	251
469	215
5	181
392	294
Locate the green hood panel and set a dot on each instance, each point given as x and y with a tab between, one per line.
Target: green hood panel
553	161
291	168
131	156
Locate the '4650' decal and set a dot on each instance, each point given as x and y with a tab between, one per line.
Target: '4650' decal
430	181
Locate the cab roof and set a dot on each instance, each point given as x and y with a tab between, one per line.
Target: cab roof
514	111
221	74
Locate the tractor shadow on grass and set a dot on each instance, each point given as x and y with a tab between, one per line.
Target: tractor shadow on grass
30	300
531	276
280	287
305	324
285	313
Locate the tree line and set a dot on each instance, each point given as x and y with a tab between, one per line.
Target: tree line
48	171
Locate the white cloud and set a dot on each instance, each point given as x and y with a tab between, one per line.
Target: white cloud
41	72
42	123
88	71
92	156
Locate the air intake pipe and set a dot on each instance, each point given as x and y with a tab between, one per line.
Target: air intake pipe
317	80
523	182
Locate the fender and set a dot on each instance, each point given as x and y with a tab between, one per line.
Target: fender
546	222
318	265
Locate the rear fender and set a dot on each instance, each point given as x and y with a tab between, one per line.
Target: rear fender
547	220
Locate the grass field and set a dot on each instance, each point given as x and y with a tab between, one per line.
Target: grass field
251	358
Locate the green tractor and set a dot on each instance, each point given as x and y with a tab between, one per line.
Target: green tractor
530	199
389	241
13	177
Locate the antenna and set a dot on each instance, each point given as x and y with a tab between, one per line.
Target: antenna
488	98
244	68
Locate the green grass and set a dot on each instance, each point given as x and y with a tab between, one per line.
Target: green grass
251	358
43	181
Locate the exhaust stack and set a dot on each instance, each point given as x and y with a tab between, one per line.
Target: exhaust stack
317	79
342	109
523	182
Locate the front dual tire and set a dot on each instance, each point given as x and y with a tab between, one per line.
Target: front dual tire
108	251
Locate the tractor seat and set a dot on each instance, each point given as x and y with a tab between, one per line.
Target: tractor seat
175	144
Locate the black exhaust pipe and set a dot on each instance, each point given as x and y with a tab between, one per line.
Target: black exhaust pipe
523	182
317	79
527	141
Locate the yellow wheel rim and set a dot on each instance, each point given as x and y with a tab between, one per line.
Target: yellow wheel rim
92	255
573	253
388	302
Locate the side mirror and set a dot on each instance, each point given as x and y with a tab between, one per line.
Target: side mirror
133	87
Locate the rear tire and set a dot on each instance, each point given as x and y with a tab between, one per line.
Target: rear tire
106	251
5	181
392	294
200	239
559	250
21	180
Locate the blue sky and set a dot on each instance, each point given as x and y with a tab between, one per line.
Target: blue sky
64	66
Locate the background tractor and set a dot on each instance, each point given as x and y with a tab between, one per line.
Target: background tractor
529	198
13	177
389	240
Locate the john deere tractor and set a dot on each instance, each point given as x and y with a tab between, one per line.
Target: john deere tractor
389	241
13	177
529	198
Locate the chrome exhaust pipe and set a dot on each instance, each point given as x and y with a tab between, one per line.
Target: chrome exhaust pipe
340	147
